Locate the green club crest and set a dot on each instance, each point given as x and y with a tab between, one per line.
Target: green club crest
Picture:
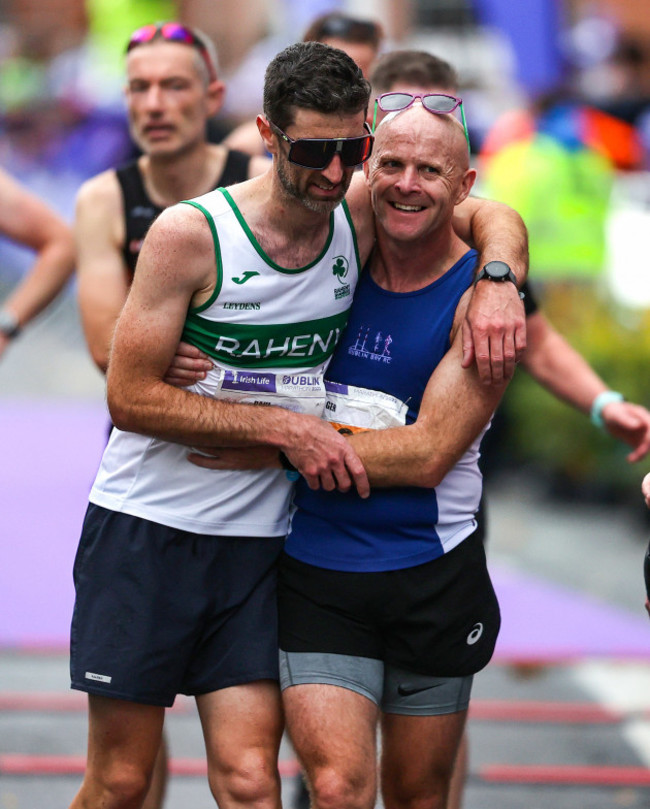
340	267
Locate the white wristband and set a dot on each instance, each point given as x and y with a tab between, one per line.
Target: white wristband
9	325
600	402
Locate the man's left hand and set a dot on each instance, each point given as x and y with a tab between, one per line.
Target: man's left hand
494	331
240	458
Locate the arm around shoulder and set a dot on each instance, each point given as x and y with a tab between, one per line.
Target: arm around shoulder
494	331
496	230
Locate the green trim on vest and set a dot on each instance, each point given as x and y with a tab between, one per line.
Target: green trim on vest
217	254
259	249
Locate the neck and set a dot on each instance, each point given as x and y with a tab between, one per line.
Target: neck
406	266
169	180
289	233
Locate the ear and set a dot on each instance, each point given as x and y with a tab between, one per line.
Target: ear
466	185
216	96
267	134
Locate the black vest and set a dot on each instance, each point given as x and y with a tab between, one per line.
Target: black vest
140	211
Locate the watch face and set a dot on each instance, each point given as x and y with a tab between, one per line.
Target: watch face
497	269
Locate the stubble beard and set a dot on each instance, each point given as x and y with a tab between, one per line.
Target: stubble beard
292	190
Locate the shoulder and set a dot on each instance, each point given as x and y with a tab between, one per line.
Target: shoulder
181	226
99	212
177	253
103	190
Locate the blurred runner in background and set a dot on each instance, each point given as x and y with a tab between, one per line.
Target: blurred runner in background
27	220
360	39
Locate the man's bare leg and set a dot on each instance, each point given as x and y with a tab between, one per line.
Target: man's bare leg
242	727
418	755
459	775
123	742
333	731
158	786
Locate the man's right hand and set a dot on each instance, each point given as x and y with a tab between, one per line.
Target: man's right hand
494	331
326	459
321	455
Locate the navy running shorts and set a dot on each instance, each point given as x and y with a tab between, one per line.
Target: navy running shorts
439	619
160	612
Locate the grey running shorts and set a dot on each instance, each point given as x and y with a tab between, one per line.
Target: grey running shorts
394	690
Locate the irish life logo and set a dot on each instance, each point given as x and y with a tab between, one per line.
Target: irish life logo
340	269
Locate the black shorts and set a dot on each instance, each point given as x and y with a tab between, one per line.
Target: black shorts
160	612
440	618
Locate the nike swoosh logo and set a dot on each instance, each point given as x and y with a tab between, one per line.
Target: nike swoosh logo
408	691
248	274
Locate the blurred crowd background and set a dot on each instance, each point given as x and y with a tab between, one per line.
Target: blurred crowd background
557	98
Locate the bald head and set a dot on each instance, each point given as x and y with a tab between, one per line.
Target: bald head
419	171
442	135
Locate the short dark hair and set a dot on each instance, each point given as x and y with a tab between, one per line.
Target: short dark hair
313	76
350	29
417	68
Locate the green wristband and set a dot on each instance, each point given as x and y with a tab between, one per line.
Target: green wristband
600	402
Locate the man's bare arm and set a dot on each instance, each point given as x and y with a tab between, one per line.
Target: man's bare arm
176	269
103	277
455	408
24	218
494	332
558	367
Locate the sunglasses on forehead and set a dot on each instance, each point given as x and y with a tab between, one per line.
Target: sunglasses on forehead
348	27
437	103
318	153
172	32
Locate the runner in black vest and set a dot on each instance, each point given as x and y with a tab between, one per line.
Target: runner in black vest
140	211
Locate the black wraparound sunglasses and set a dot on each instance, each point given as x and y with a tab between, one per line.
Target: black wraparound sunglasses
318	153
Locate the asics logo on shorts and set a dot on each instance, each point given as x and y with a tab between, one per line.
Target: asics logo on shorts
475	634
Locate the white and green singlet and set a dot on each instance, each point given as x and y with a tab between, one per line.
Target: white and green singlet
270	332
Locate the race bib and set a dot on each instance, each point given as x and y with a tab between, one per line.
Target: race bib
301	393
351	409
